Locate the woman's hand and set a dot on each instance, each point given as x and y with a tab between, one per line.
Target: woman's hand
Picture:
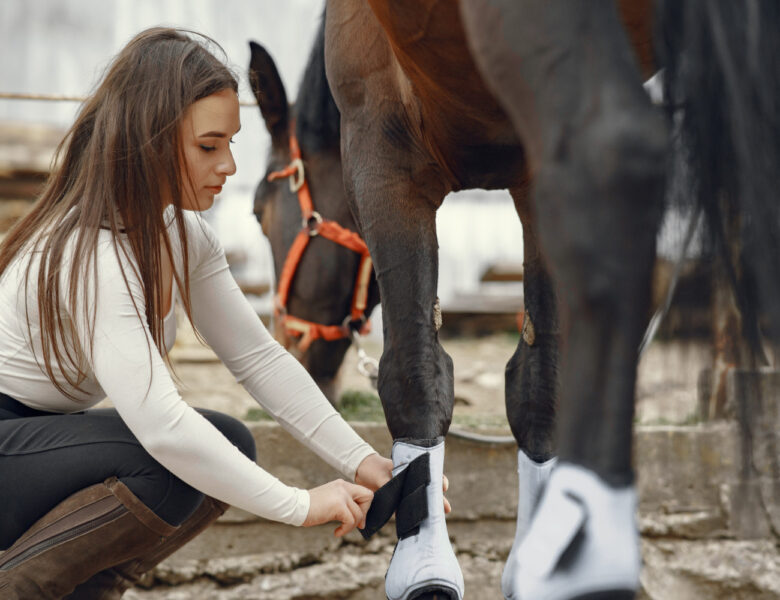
339	500
445	485
375	471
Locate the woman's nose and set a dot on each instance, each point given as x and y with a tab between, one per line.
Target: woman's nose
227	166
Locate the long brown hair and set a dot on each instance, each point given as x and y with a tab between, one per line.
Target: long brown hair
118	167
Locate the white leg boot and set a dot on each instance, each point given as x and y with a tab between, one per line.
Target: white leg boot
583	541
424	561
532	478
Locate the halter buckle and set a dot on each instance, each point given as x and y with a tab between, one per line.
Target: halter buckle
312	223
297	179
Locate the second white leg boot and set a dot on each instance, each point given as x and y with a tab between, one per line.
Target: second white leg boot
533	477
424	561
583	541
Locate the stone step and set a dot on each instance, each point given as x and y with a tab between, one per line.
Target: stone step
688	484
688	479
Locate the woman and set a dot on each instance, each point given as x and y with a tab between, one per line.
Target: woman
91	499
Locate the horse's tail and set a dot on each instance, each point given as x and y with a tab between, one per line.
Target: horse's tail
721	63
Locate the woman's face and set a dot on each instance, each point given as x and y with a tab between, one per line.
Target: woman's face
206	132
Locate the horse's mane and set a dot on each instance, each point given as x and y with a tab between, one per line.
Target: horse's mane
318	120
721	64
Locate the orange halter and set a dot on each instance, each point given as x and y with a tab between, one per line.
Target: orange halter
313	225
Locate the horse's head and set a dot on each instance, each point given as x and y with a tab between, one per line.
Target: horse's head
322	287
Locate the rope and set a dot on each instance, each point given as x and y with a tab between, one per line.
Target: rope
663	308
478	438
63	98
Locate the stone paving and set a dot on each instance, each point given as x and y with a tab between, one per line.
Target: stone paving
673	570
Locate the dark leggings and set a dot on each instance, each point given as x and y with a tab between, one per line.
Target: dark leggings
46	457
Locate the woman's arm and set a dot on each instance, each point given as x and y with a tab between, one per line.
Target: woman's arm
132	373
270	374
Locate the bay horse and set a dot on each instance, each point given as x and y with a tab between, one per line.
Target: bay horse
326	289
419	119
544	99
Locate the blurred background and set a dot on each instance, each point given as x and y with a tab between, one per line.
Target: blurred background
61	47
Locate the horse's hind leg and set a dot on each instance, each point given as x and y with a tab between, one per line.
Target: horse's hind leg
596	149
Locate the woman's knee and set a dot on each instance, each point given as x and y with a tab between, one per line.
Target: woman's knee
234	430
168	496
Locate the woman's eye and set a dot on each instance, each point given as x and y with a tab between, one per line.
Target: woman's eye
206	148
232	141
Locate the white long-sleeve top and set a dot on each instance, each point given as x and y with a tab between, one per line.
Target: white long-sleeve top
127	367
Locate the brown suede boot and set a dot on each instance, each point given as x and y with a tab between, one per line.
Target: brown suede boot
111	583
95	528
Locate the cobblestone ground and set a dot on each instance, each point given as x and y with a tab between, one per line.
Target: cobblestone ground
674	570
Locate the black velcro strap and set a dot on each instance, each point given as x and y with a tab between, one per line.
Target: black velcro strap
413	505
404	492
383	505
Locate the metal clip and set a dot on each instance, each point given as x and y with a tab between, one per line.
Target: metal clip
312	223
296	179
367	366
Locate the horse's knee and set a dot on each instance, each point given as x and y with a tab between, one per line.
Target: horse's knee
531	378
416	387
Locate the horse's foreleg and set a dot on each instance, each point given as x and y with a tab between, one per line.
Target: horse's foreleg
596	150
398	221
532	372
532	383
393	195
395	206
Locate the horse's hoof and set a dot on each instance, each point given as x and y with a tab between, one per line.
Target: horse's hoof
434	593
606	595
582	544
609	595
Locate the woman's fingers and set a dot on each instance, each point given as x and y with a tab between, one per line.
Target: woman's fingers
445	485
362	498
339	501
348	517
354	518
356	506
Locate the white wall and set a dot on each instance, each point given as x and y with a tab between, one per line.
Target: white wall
62	47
